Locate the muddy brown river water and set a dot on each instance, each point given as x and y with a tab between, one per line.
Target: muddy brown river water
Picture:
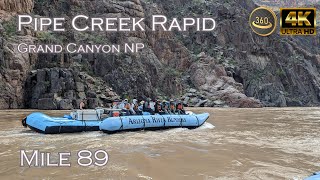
269	143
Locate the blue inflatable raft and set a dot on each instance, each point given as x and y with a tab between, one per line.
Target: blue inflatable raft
152	122
93	120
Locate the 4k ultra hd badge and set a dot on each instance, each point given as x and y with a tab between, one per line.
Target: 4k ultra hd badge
263	21
298	21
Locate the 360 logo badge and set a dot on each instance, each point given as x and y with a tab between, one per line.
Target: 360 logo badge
263	21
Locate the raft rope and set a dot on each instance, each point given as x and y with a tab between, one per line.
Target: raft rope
164	120
84	122
121	127
60	129
97	115
198	121
180	121
144	123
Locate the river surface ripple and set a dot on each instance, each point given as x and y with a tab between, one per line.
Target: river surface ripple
268	143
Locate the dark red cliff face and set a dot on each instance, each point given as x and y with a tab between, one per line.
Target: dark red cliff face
230	66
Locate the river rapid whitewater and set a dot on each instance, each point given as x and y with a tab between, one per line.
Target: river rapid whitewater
268	143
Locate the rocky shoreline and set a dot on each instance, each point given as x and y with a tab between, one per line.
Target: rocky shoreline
229	67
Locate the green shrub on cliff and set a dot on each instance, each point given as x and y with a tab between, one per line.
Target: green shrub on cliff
171	72
89	37
46	37
10	28
280	72
197	2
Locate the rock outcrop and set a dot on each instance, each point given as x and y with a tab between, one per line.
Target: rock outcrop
215	87
57	88
16	6
8	8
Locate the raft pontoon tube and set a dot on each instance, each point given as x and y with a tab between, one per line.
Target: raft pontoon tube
152	122
77	121
315	176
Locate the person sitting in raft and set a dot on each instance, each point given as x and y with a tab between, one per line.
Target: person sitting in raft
155	107
121	104
152	104
158	107
141	106
115	104
147	107
141	103
134	107
180	109
137	110
126	108
165	107
172	107
134	103
82	104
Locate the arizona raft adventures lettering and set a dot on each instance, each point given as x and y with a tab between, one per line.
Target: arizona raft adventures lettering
156	120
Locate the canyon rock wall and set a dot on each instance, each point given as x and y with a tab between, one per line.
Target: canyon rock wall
230	66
